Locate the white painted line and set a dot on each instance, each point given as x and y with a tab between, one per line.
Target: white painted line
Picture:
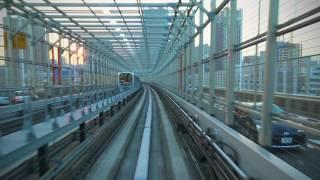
313	143
142	168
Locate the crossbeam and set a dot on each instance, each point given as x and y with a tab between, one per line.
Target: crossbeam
103	4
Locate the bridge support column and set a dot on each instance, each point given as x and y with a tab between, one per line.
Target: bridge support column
82	131
111	111
119	106
43	154
101	118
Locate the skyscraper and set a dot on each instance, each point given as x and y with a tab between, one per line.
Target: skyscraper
287	69
252	73
309	76
222	39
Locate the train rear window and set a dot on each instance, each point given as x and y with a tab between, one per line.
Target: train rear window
125	78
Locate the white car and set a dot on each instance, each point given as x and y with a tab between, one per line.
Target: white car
4	101
21	97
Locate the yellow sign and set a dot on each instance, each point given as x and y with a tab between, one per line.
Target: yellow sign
20	41
5	39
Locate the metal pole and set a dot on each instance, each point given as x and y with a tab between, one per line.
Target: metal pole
10	71
231	62
188	68
53	68
212	73
59	65
185	74
19	54
192	47
269	74
33	58
201	65
70	68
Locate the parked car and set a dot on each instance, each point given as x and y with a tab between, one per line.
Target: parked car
283	136
21	97
4	101
276	110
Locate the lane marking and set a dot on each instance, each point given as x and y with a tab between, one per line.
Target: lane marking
142	168
313	143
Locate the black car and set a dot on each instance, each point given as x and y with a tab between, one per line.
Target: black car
283	136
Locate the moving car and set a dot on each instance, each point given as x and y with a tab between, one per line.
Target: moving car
278	111
283	136
4	101
21	97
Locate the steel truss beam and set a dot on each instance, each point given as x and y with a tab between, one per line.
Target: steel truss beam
24	25
212	14
105	46
102	4
99	19
120	26
109	17
181	29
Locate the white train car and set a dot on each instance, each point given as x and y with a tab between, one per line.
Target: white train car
128	80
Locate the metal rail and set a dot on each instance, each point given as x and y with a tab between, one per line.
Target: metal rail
14	117
40	104
230	169
249	153
45	132
142	168
85	155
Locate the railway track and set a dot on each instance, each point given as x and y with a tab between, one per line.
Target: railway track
145	139
142	148
153	142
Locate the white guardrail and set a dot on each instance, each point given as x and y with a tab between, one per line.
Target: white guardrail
254	160
17	145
